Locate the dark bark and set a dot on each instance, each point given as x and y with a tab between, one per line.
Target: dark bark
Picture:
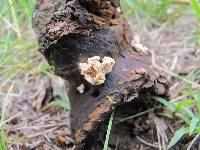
79	29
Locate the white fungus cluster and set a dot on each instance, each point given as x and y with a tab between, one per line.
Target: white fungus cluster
94	71
81	88
138	45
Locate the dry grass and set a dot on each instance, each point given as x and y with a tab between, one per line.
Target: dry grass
25	82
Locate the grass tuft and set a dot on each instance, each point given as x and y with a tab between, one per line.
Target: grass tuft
196	7
182	110
17	50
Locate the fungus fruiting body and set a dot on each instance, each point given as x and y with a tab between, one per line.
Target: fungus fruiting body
94	71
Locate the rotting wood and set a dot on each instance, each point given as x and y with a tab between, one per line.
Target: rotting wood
71	33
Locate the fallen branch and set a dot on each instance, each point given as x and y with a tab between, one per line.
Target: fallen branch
81	29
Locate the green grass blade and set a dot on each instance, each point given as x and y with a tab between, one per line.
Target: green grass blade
196	97
2	141
169	105
105	147
182	104
177	136
188	112
183	117
2	144
15	20
193	125
196	7
57	103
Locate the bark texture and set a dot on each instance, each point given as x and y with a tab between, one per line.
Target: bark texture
70	32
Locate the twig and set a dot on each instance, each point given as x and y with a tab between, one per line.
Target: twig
177	76
164	69
136	115
38	126
179	98
193	141
35	144
146	143
117	143
158	135
11	118
41	133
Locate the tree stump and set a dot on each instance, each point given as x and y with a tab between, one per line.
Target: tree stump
70	32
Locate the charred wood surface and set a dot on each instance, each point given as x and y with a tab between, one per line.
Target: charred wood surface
70	32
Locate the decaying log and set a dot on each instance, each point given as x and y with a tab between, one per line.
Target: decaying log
70	32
